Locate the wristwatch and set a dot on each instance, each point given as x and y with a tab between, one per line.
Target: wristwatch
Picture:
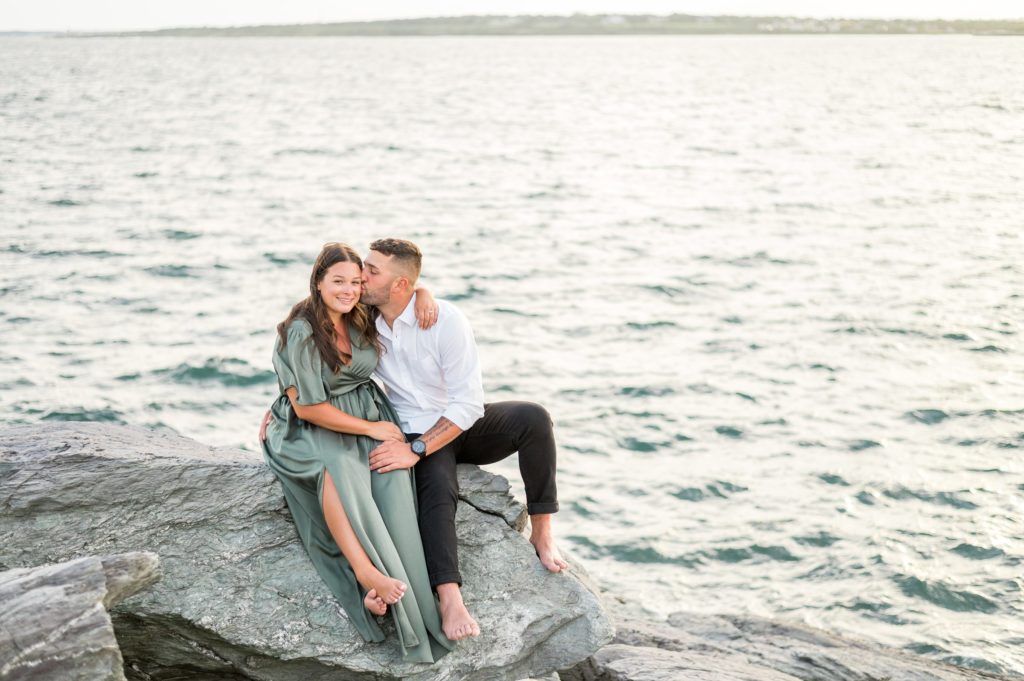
419	448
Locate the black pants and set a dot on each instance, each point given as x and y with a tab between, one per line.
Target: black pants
505	427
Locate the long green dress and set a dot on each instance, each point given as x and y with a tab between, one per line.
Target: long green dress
380	506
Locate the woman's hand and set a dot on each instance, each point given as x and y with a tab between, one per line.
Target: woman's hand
426	308
384	431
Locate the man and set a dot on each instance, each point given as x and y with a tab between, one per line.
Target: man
433	378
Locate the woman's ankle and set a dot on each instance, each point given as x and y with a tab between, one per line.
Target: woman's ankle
368	577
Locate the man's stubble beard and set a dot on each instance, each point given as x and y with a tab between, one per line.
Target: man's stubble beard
374	298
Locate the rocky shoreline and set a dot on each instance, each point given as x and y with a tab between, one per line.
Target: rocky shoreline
729	648
54	622
88	508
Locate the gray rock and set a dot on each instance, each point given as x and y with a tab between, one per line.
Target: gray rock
692	646
53	618
631	663
239	598
490	494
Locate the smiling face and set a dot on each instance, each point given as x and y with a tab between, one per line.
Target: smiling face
340	287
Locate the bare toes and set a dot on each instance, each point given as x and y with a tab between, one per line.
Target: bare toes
374	604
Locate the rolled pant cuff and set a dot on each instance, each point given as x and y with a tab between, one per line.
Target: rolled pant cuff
539	507
445	578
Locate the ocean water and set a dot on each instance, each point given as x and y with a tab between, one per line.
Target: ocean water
768	287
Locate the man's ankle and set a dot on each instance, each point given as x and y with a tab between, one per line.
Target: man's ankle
540	525
448	592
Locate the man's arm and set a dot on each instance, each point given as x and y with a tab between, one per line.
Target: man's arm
460	366
440	434
394	456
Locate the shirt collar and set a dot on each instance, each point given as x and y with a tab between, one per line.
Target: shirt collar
408	315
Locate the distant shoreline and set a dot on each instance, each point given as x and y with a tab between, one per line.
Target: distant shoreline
593	24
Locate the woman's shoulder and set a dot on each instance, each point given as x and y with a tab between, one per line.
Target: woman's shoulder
299	329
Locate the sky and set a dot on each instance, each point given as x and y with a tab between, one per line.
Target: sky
118	15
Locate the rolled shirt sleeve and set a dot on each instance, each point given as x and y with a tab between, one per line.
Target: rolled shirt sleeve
460	364
431	373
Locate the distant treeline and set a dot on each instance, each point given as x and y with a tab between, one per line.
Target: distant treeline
601	24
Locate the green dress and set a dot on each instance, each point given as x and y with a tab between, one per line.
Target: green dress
380	506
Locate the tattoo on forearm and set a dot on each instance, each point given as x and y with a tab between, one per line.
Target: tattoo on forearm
442	430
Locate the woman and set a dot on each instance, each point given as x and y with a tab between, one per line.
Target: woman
358	527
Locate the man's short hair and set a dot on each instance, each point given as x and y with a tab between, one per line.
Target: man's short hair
405	253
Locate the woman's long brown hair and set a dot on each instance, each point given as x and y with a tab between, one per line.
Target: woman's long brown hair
313	310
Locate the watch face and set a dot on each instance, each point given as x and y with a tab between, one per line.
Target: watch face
419	447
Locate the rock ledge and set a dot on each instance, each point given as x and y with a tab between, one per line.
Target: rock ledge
238	598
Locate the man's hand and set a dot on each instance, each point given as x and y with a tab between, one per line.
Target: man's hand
392	456
263	427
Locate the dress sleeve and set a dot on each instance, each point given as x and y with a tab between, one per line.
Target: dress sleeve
298	365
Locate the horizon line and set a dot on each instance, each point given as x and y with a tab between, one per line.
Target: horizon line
473	16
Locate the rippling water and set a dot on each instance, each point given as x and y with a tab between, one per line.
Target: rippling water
769	287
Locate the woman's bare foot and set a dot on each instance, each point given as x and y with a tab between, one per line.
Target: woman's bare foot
388	590
456	621
374	603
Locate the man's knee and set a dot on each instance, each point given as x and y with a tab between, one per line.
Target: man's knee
436	483
534	417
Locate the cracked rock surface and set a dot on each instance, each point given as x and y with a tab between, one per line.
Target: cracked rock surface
53	618
692	647
238	598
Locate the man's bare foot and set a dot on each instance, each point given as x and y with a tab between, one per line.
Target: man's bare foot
543	541
388	590
456	621
548	553
374	603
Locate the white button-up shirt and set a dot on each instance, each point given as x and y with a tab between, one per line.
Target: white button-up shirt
432	373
